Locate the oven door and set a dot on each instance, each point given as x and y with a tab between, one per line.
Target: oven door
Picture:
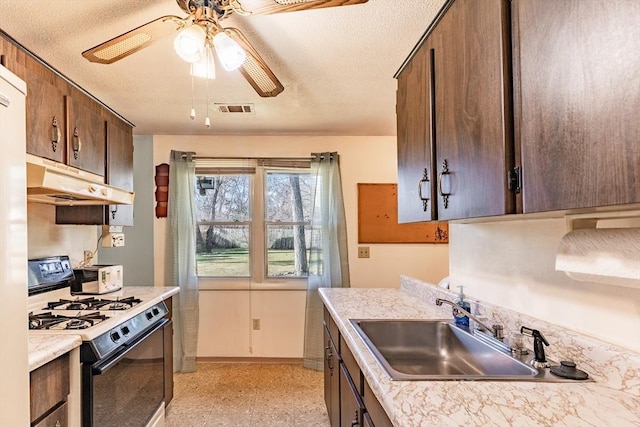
126	389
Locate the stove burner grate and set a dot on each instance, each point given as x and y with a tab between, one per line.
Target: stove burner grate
49	320
93	303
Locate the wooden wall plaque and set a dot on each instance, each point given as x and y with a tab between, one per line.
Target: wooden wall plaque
378	219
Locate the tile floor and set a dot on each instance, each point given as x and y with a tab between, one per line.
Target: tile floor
243	394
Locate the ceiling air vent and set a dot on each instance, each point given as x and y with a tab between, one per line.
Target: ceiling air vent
234	108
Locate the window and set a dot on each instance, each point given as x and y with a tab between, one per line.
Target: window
253	222
287	214
223	214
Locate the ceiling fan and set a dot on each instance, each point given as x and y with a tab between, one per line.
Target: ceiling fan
200	33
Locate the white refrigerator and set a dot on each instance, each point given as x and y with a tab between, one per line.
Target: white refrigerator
14	333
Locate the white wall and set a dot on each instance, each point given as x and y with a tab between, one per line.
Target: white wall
512	264
224	314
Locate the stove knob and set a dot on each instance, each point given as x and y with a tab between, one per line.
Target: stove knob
125	330
149	315
156	311
115	336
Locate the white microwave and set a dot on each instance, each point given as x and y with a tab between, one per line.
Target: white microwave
97	279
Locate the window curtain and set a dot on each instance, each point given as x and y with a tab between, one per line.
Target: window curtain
181	261
329	262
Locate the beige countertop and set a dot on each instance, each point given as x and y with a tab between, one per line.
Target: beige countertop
472	403
44	348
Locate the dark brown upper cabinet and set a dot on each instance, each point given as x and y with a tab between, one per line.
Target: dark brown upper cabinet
86	135
46	119
454	107
119	174
577	98
415	168
119	169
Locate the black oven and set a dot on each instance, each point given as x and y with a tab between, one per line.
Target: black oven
125	387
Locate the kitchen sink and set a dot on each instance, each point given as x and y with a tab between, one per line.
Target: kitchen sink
440	350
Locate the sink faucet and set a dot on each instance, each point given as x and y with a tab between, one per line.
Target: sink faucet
539	360
496	330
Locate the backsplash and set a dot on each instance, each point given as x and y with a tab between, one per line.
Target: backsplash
46	238
615	367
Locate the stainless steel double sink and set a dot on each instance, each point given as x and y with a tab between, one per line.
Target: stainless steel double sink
440	350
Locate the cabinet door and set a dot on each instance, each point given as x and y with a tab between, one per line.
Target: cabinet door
168	362
119	174
57	418
119	169
577	99
376	412
351	406
50	386
331	380
413	111
474	147
86	134
46	135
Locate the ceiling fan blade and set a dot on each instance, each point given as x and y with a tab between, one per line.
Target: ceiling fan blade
264	7
254	69
132	41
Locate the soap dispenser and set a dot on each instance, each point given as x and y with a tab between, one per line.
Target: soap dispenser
459	317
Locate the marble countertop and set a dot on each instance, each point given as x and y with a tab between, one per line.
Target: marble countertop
469	403
44	348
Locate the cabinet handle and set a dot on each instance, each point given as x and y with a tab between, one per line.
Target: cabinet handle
55	134
329	356
58	423
421	183
444	183
356	420
75	143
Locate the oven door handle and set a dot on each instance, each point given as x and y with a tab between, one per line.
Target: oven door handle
104	365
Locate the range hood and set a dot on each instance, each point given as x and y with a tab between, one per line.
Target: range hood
58	184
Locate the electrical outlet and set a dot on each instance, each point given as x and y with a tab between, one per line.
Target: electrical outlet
256	324
363	252
87	257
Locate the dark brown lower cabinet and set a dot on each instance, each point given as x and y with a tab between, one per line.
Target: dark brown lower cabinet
375	412
50	388
331	379
168	354
351	406
349	399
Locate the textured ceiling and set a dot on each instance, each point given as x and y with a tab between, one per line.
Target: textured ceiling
336	64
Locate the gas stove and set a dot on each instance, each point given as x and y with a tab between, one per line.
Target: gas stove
125	334
105	323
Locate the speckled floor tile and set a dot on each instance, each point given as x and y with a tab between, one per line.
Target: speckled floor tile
244	394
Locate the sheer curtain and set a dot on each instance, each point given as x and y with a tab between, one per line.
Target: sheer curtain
329	262
181	261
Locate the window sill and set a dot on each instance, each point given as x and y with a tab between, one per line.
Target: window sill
211	284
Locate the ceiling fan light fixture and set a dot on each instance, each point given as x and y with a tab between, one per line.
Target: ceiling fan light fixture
190	43
230	54
205	68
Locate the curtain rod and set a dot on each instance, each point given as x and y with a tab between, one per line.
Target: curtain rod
316	156
247	158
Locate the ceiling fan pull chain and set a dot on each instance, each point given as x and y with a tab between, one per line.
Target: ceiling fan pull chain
193	110
207	122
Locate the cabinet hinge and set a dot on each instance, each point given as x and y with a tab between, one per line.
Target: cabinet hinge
514	179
